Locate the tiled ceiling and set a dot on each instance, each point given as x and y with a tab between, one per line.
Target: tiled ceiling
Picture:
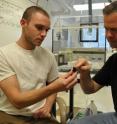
65	8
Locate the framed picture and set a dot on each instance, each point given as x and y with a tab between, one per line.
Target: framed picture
89	32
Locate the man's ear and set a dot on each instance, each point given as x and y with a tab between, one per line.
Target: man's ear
22	22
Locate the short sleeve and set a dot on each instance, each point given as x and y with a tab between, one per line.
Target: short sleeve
5	69
104	75
53	74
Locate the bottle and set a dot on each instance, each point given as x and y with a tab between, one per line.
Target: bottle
91	109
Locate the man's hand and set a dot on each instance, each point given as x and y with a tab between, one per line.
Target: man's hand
43	112
83	65
66	82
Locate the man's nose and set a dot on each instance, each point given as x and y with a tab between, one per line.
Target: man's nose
43	32
109	33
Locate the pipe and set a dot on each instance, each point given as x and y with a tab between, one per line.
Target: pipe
90	11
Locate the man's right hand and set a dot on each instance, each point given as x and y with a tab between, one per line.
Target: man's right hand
65	82
83	65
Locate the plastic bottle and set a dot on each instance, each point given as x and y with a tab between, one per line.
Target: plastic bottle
91	109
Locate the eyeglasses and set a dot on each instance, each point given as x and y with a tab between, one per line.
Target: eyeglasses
111	30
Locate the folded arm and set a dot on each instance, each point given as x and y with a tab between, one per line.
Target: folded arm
20	99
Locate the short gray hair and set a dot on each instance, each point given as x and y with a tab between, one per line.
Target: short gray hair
112	7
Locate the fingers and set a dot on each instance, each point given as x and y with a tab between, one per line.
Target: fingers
70	81
41	113
66	81
68	74
44	115
72	76
82	64
71	84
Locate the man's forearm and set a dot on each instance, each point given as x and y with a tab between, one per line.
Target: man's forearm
21	99
86	83
50	100
26	98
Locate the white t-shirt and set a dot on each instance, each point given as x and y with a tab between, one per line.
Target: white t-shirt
32	68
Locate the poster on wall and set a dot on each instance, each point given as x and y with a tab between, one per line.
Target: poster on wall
89	33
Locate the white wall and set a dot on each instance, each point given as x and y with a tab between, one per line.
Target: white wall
10	14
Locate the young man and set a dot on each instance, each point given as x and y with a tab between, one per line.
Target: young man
25	68
107	76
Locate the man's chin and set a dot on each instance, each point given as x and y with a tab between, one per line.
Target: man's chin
38	44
